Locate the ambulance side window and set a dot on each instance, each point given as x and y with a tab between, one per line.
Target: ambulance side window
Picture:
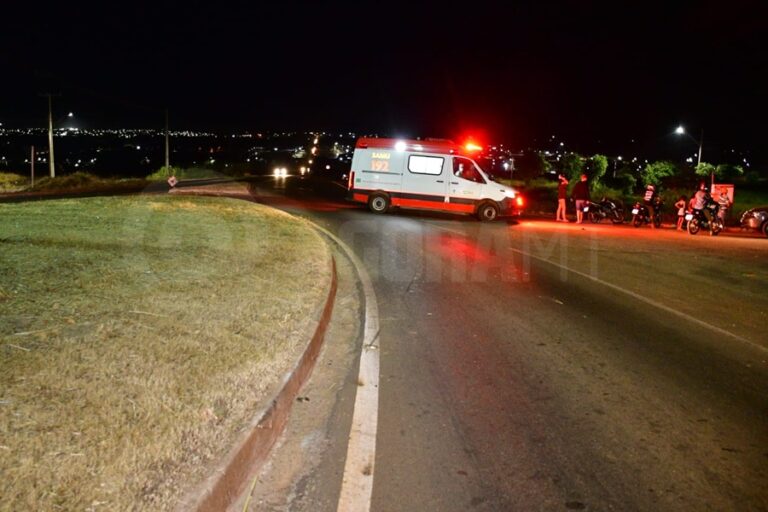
465	169
418	164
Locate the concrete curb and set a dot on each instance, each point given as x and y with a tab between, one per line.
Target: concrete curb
232	475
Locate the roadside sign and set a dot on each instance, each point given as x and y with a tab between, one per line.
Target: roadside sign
172	181
727	189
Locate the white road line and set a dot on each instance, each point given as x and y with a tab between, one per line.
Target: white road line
632	294
357	484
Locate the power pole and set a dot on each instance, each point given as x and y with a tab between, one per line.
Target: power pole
32	165
51	166
167	150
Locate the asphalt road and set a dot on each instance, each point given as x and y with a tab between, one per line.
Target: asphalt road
544	366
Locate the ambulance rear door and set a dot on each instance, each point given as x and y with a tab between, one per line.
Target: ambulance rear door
378	169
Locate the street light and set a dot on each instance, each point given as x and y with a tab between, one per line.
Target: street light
680	130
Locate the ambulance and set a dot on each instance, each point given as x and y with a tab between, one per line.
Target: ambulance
426	175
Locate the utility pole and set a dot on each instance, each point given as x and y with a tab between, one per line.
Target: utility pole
711	174
32	165
51	165
167	145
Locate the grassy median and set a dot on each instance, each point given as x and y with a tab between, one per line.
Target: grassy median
137	335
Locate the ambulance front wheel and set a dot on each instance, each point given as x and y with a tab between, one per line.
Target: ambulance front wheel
487	212
378	203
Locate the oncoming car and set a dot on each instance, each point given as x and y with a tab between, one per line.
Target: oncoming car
756	219
426	175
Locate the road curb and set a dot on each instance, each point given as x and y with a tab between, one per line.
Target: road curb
230	478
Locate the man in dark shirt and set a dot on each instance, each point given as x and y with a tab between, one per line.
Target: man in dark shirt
650	198
580	194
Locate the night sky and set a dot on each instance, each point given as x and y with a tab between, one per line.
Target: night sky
597	75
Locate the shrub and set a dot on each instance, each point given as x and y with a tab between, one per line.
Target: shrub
181	173
600	190
70	181
11	182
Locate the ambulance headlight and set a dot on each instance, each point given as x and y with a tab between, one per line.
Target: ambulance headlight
510	194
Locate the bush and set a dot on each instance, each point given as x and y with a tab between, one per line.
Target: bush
624	181
181	173
601	190
70	181
11	182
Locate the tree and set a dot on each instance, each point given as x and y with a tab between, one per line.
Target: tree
657	171
531	165
624	179
598	164
572	165
704	169
721	171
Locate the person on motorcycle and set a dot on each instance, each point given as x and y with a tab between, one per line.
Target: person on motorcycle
702	198
651	200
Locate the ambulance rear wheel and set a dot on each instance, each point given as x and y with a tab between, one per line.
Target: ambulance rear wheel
487	212
378	203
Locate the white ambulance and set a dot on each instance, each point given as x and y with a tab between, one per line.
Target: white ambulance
428	175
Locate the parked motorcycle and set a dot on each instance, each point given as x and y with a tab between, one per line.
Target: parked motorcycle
641	215
605	209
697	220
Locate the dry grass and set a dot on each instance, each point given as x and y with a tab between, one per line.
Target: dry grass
137	335
10	182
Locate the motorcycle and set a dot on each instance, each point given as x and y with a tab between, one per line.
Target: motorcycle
605	209
697	220
641	215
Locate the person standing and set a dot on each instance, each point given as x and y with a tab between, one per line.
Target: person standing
562	195
725	202
580	194
681	203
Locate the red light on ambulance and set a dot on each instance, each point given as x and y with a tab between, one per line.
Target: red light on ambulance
519	201
471	146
